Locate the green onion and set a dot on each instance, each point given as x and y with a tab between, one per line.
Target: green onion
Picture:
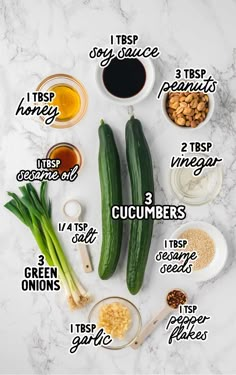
34	210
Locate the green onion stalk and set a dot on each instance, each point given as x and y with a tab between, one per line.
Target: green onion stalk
34	210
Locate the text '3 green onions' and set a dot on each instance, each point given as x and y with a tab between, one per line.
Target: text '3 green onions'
34	210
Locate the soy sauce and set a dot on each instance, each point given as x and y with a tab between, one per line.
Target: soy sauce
124	78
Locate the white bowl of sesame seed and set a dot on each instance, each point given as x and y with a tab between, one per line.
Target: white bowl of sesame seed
210	245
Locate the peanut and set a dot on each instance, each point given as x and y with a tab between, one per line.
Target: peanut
187	111
194	103
197	116
201	106
174	105
186	108
193	124
181	121
189	98
179	110
174	99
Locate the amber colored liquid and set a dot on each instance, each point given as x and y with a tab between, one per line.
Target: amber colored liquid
68	101
68	155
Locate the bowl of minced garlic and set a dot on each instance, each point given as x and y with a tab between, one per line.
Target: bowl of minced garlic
209	244
119	318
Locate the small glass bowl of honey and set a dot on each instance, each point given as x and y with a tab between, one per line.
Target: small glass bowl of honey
70	97
68	154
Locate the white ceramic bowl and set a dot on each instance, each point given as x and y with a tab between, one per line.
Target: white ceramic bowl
221	251
150	79
188	128
192	197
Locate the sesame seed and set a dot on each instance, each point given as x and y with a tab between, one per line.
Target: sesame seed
202	243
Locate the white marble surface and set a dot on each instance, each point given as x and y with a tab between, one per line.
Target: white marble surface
45	37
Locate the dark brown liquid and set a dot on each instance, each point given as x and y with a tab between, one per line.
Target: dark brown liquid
124	78
68	155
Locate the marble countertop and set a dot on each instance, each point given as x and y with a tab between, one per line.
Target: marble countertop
46	37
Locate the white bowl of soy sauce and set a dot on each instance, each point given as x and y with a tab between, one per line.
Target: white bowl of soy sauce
126	81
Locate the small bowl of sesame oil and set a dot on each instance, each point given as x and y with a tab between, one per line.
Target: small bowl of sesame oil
68	154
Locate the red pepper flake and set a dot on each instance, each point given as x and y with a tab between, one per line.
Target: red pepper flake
175	298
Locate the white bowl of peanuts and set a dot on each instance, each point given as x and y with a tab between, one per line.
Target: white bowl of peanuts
188	110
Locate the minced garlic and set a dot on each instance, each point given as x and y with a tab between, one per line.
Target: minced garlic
115	318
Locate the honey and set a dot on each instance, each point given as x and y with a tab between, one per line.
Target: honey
68	154
68	101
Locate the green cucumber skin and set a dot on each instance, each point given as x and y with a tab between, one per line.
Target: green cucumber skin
141	179
111	194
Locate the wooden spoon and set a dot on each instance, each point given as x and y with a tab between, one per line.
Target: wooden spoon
151	326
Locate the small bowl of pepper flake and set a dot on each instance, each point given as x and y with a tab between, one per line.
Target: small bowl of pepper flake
175	298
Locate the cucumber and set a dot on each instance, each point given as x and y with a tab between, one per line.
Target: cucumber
141	179
111	194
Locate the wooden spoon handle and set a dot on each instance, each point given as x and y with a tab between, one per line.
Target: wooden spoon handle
150	327
84	254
